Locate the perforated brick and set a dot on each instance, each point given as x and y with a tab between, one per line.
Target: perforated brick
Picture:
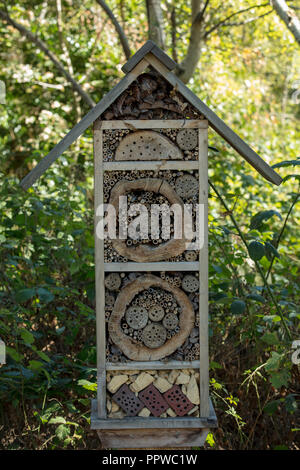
178	401
153	400
127	400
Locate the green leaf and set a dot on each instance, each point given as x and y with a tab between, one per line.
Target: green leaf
24	294
43	356
57	420
272	407
62	432
291	404
273	363
257	298
27	336
35	365
256	250
238	307
270	338
262	216
271	251
14	354
87	385
45	295
280	378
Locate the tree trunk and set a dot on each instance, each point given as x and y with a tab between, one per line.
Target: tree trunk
288	16
155	23
186	68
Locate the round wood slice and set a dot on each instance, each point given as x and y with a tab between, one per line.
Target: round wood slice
187	139
186	186
154	335
136	317
156	313
144	253
147	145
140	352
190	283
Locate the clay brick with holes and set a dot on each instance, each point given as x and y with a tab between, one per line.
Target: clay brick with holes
178	401
127	400
153	400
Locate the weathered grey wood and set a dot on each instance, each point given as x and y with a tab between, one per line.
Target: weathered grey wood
153	365
203	274
217	124
81	126
149	46
157	266
152	438
151	165
99	275
151	422
134	124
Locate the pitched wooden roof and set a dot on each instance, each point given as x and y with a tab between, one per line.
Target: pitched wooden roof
150	54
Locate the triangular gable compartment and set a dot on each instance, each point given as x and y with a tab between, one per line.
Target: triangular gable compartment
150	96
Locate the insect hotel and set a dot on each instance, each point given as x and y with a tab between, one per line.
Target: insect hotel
150	149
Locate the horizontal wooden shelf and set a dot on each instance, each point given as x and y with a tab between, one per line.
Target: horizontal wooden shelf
155	124
177	165
157	266
152	365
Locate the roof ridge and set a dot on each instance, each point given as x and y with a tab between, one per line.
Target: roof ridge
149	46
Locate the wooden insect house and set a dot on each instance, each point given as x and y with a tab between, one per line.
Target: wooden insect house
150	149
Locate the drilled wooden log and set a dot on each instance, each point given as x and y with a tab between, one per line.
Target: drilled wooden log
143	253
147	145
139	352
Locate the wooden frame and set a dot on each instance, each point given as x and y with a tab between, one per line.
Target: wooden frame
207	417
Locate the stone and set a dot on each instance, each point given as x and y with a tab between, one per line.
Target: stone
116	382
142	381
162	384
108	406
117	415
173	376
183	378
132	372
193	410
192	391
171	413
114	407
144	413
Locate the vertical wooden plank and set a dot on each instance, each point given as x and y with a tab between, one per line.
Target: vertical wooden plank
99	274
203	275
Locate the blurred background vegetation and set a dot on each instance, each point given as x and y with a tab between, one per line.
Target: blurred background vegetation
247	70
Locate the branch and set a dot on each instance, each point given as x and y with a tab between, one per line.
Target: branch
41	45
188	65
155	22
249	20
222	22
173	34
288	16
65	50
118	28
